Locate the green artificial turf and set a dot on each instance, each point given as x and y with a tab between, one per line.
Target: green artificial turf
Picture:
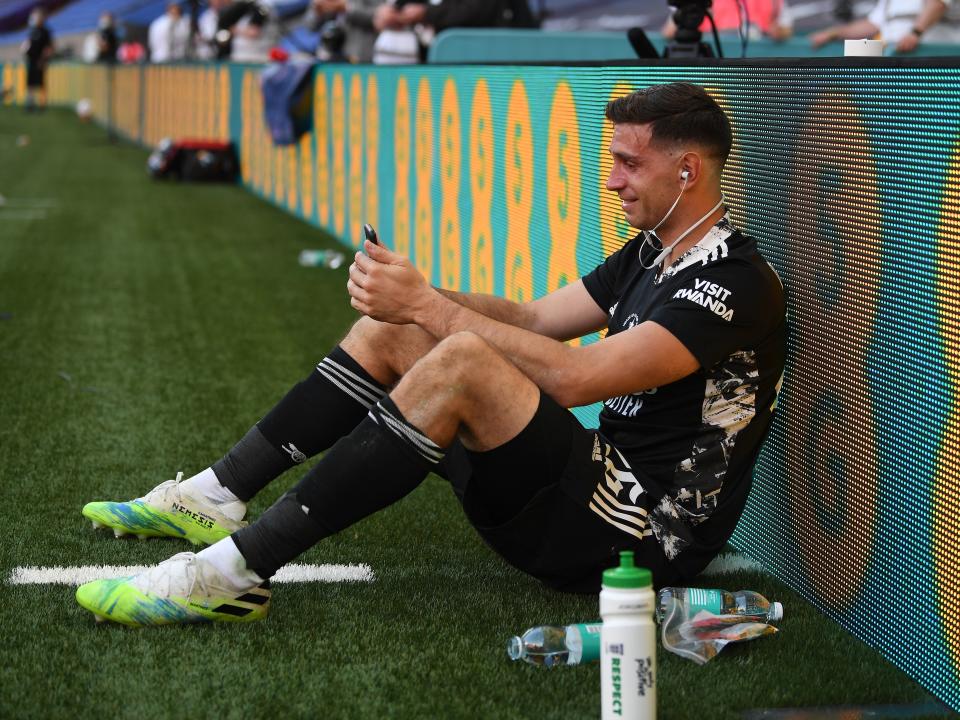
145	326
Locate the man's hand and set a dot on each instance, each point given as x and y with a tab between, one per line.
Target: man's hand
387	287
819	39
780	33
908	43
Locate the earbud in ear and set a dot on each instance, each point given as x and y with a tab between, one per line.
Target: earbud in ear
685	174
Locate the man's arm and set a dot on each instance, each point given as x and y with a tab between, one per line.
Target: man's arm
498	308
932	12
568	312
387	287
852	31
641	358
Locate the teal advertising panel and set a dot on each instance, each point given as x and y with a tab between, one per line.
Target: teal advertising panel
847	171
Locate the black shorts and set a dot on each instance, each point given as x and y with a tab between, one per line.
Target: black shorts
35	73
529	499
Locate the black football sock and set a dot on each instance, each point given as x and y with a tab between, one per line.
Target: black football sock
316	412
380	462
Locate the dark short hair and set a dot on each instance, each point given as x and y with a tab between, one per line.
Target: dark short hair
678	113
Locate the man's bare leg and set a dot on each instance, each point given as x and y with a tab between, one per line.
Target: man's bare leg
386	351
462	388
465	387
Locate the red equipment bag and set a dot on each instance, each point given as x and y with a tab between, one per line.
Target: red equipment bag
194	160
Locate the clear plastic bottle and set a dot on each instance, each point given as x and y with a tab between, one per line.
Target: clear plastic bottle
553	645
321	258
746	603
628	643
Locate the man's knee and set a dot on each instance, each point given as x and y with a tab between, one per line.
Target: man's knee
463	355
369	330
383	347
466	345
407	336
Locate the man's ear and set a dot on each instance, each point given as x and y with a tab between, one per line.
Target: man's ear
691	164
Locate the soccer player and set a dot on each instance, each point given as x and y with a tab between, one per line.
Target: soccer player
476	388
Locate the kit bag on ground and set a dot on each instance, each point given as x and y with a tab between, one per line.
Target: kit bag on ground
194	160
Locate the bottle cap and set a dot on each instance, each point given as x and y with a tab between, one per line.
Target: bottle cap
627	575
776	611
515	648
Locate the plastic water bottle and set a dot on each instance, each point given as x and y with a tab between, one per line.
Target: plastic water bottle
746	603
321	258
628	643
553	645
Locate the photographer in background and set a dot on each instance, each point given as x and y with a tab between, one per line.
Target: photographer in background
355	17
207	25
247	29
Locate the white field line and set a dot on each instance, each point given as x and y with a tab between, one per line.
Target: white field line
21	203
731	563
10	215
295	573
77	575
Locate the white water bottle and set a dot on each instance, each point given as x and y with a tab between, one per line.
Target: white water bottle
628	643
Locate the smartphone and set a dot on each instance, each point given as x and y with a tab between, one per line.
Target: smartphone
370	234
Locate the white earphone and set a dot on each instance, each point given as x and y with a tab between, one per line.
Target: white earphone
647	234
664	251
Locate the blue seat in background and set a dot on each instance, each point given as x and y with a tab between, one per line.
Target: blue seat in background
14	13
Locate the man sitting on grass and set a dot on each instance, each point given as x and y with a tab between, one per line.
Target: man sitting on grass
476	389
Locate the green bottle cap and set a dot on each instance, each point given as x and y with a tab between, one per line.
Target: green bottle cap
627	575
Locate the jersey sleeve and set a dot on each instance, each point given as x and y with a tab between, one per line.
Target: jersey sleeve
602	282
721	309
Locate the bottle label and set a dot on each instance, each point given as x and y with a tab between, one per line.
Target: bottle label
628	669
590	640
644	672
699	599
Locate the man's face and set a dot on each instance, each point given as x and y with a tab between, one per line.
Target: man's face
645	176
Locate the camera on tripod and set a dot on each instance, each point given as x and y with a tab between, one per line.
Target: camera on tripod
688	16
